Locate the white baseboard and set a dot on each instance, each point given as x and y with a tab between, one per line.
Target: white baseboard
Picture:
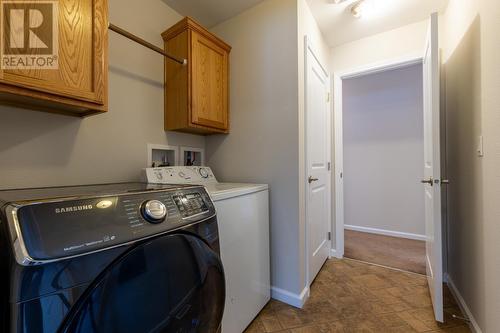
335	254
463	306
385	232
292	299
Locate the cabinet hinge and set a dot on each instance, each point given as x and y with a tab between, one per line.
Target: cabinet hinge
329	235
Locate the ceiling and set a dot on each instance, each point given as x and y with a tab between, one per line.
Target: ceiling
339	26
211	12
336	22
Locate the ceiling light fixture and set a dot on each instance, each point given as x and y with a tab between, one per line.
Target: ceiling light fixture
358	8
337	1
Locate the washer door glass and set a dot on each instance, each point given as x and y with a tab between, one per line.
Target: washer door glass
174	283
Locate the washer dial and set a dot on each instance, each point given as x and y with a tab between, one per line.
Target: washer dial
154	211
203	172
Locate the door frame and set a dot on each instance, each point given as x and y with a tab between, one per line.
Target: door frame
337	81
309	46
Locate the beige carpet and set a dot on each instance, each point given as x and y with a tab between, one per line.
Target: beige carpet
401	253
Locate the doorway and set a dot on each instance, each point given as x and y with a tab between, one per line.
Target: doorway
431	181
431	164
384	219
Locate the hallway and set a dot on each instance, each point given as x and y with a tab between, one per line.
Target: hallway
350	296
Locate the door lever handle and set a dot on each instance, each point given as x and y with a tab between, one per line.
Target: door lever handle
429	181
311	179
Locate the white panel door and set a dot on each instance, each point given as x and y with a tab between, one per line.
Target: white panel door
432	169
318	139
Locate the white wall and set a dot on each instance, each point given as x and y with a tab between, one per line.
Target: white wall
490	83
41	149
383	151
262	145
407	41
307	26
472	82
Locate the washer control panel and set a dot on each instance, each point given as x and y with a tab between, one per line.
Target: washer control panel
190	204
69	227
179	175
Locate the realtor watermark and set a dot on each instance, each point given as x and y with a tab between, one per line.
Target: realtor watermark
29	34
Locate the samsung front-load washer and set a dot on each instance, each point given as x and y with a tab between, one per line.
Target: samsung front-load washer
124	258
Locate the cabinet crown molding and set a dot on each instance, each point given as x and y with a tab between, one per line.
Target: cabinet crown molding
192	24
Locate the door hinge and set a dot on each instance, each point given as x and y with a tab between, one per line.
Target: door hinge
329	235
327	97
329	166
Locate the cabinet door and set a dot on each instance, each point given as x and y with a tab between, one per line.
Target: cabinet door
209	106
81	53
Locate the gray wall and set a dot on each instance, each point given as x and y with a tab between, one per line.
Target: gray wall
383	151
266	143
472	102
40	149
263	144
465	193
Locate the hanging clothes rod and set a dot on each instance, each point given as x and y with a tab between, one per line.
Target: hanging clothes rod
147	44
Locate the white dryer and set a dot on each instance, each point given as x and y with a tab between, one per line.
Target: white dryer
243	218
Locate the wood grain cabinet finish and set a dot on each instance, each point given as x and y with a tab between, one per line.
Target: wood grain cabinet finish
79	86
196	94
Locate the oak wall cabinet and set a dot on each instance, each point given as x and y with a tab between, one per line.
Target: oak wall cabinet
197	93
78	86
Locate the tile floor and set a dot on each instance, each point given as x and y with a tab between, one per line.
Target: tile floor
351	296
